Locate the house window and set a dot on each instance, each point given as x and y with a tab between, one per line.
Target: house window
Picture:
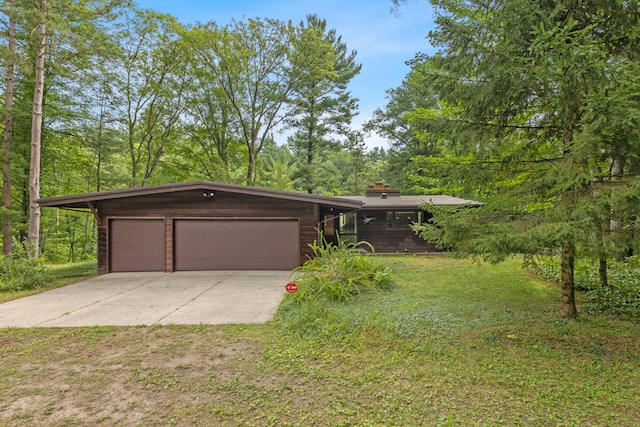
348	232
398	220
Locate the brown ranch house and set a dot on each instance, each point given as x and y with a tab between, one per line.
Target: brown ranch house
212	226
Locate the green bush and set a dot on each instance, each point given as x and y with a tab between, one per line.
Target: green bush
339	273
620	298
20	272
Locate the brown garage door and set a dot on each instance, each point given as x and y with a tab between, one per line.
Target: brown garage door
137	244
233	244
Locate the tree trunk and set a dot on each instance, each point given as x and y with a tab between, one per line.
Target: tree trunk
251	168
7	225
567	281
36	134
310	156
616	224
602	272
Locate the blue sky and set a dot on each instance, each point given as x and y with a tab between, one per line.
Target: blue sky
383	39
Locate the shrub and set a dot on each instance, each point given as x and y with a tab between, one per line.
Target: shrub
622	296
339	273
20	272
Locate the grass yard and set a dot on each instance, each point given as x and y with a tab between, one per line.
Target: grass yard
455	344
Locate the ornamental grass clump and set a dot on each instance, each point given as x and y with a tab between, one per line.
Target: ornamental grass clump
340	272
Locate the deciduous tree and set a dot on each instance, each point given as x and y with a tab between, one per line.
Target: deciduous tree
253	62
33	236
153	84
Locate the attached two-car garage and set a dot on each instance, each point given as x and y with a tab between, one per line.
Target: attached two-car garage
204	226
140	244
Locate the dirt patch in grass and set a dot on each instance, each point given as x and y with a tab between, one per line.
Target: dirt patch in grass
123	375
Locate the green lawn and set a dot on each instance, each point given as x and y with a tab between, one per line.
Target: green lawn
456	344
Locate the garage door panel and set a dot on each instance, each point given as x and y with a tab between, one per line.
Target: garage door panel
137	244
236	244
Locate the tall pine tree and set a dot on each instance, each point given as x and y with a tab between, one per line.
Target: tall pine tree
527	94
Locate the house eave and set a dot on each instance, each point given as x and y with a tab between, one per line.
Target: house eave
80	201
411	202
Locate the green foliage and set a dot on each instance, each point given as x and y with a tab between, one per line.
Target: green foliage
277	167
74	270
340	272
67	236
535	117
322	107
252	64
620	298
337	274
454	344
20	271
410	136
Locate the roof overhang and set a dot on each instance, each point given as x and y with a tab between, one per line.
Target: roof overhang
84	201
411	202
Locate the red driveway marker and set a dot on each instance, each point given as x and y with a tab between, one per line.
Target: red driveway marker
292	288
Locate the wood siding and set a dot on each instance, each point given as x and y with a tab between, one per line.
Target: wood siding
390	240
103	248
192	204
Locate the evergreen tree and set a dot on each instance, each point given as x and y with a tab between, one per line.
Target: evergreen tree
323	106
531	99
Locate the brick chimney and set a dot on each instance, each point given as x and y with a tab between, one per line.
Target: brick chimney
381	190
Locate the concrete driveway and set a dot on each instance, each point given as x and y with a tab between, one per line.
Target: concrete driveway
129	299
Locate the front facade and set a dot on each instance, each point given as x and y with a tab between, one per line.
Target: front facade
204	226
386	217
211	226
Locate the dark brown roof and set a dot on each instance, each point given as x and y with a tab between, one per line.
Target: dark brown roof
410	202
81	200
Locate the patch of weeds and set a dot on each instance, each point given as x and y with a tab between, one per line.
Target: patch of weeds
74	270
48	277
621	298
340	272
20	271
424	322
49	407
328	287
